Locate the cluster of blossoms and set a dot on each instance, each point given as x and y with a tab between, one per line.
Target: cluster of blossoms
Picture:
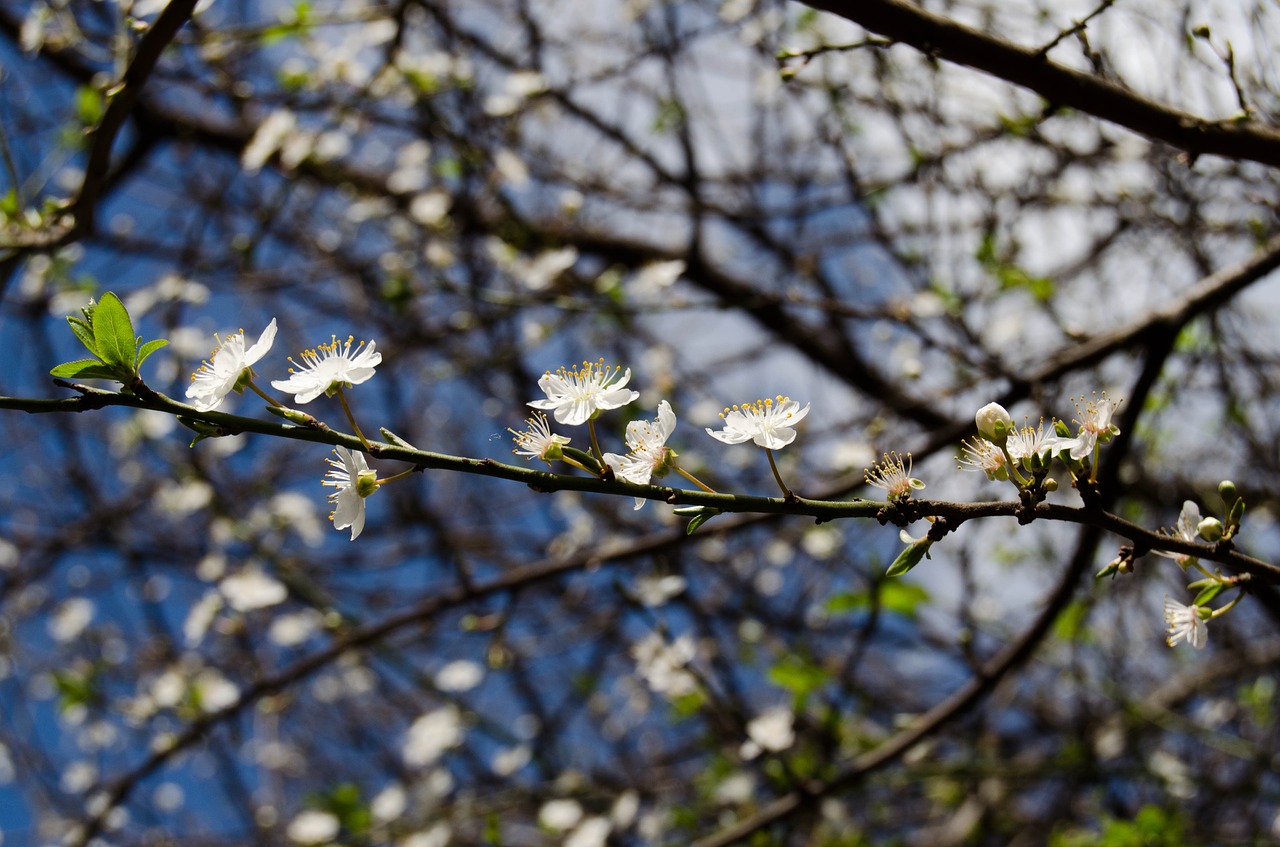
1003	451
1024	455
578	395
327	370
1190	623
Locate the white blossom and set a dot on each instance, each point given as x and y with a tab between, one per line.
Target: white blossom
227	368
1095	426
662	665
1188	529
267	138
979	454
252	589
216	692
593	832
313	827
560	815
294	629
766	422
354	481
389	803
576	395
431	735
200	617
1034	441
71	618
773	730
538	441
649	454
653	591
329	367
1185	623
462	675
893	476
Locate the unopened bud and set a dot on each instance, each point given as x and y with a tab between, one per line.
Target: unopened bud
994	423
293	415
1227	491
1112	568
1210	529
1235	515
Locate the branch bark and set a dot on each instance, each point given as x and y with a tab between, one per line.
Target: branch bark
942	38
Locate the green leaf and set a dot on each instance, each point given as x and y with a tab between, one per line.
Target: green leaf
149	348
84	332
85	369
1206	596
799	676
699	520
902	597
910	557
1072	623
75	689
112	329
90	105
848	601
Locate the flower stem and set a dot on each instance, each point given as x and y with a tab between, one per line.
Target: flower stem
1018	478
264	395
1220	612
578	465
707	488
400	475
342	398
786	492
595	445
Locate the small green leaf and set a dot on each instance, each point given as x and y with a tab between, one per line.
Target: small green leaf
1072	623
902	598
84	332
848	601
1206	596
90	105
699	520
799	676
909	558
113	331
149	348
85	369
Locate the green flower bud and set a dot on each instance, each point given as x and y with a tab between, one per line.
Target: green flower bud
1227	491
1210	529
1112	568
1235	516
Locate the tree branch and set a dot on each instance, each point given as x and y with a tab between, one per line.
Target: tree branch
901	513
1028	68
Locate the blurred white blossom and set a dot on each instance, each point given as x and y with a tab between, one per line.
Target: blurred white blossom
431	735
560	815
70	618
313	827
252	589
458	676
